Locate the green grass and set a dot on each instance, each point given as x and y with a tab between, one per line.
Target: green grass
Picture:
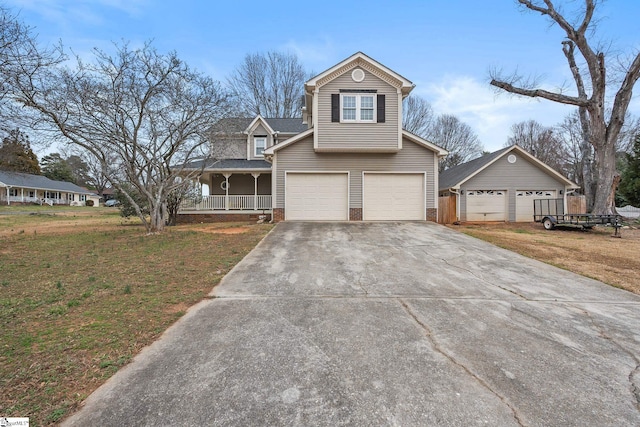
76	306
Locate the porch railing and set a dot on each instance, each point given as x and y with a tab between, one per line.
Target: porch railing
48	201
244	202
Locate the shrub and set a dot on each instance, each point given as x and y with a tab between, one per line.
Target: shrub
89	203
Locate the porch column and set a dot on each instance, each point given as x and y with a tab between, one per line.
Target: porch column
255	176
226	190
22	194
8	201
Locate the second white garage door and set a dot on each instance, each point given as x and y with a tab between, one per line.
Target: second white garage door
524	203
486	205
317	196
393	196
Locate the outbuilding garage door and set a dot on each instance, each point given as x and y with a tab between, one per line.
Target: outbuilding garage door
393	196
486	205
317	196
524	203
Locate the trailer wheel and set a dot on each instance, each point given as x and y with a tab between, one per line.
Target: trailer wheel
548	224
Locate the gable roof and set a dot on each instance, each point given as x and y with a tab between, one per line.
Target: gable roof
456	176
440	152
242	124
269	151
359	59
38	182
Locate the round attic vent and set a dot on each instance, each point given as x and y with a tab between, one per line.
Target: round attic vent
511	158
357	75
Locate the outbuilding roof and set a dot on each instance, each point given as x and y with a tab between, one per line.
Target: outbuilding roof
456	176
38	182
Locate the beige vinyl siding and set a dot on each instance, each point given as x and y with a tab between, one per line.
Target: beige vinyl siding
502	175
301	156
357	136
259	130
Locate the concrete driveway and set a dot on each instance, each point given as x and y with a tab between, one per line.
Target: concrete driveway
398	324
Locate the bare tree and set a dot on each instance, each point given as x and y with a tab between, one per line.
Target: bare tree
417	116
147	111
269	84
21	59
541	141
456	137
601	127
580	164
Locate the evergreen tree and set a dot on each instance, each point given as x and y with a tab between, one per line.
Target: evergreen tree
16	154
55	167
629	188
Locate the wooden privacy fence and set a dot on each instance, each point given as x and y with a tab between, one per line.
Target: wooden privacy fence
576	205
447	209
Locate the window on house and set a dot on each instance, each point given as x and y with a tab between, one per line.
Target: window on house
358	108
260	144
70	197
82	197
13	192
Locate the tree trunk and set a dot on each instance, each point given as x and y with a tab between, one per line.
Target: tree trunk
157	219
608	179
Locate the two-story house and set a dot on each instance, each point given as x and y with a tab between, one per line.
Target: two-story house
347	159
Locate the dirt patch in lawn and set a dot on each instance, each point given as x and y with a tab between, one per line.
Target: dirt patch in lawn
594	253
232	230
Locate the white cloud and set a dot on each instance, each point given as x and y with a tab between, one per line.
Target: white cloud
490	114
315	55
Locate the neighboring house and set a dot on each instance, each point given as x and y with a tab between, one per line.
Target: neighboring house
23	188
501	186
347	159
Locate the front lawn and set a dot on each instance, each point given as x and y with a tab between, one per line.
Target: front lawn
81	293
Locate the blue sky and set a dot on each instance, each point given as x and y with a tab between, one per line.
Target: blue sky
446	47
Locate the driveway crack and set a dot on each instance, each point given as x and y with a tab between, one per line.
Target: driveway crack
473	273
634	375
437	347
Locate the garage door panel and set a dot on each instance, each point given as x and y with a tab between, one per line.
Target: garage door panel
317	196
393	196
524	202
486	205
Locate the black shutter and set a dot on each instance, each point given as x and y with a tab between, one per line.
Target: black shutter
335	107
381	110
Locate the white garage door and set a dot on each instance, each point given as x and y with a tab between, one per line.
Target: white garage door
317	196
393	196
486	205
524	203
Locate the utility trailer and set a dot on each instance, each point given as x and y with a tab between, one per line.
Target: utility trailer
550	212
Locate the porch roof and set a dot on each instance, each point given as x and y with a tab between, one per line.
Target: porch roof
229	165
38	182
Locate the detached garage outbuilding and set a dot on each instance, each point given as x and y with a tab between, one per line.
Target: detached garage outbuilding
501	186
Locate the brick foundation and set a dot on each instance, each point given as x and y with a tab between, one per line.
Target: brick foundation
355	214
278	214
198	218
432	214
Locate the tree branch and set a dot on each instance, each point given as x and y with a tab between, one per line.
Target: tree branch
540	93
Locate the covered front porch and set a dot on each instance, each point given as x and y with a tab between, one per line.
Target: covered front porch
232	192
